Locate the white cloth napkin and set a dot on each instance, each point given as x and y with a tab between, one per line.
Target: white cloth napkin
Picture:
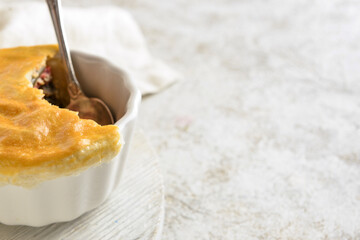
106	31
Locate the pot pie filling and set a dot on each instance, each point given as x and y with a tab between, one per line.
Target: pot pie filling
40	140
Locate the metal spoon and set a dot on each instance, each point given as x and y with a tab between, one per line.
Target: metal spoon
88	108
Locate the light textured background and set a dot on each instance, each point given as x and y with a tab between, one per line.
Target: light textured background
261	138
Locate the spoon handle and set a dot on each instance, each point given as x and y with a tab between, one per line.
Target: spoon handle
55	12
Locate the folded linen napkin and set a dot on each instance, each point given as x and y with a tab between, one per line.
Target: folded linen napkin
106	31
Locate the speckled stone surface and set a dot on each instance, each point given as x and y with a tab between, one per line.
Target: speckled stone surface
261	138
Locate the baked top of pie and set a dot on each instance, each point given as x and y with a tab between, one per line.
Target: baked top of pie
38	140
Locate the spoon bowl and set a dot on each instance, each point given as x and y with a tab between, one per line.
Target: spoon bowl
91	108
88	108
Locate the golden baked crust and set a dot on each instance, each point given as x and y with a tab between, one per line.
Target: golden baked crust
40	141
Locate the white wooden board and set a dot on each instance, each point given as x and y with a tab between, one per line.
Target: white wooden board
135	210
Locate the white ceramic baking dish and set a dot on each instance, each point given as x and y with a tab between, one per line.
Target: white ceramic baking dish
67	198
